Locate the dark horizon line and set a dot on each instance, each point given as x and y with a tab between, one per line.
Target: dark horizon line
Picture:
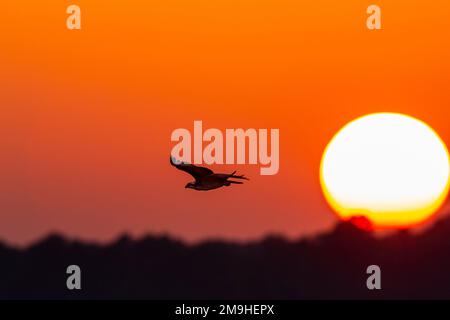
122	237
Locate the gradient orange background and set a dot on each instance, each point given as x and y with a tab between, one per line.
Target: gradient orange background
86	116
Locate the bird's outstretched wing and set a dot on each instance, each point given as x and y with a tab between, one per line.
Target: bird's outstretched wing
195	171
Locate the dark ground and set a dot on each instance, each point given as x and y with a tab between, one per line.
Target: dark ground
331	265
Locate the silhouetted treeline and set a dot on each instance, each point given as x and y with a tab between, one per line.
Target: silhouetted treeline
331	265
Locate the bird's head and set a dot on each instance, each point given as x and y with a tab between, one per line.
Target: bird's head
190	185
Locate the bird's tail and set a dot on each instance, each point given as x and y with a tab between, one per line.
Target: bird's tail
238	176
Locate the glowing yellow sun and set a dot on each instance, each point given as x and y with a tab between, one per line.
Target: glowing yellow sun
389	168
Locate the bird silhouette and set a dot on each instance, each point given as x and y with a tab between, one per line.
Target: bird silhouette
206	179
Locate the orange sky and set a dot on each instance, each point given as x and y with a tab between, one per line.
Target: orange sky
87	115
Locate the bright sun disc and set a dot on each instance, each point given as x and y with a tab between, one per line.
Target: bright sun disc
389	168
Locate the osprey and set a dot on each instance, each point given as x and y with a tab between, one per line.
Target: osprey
206	179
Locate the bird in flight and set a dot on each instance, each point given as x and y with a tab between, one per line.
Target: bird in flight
206	179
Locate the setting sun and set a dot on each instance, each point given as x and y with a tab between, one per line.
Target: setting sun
389	168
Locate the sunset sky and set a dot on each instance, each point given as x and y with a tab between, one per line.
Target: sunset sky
86	115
